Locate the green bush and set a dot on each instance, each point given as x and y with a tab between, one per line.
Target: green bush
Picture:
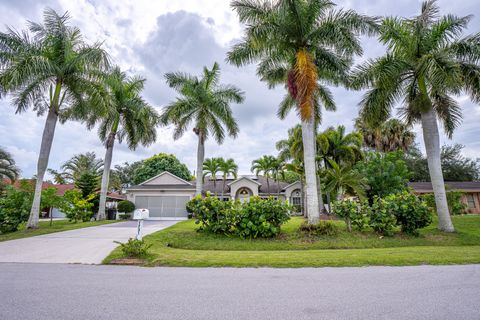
382	220
411	212
214	215
353	212
15	207
134	248
454	200
125	206
125	216
261	217
75	207
323	228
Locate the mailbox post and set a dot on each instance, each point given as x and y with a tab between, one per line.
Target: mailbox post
140	215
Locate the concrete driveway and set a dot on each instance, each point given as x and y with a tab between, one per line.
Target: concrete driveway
88	245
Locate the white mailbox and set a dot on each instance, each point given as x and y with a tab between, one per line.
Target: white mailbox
141	214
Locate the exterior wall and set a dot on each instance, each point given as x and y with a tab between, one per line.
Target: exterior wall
165	179
476	199
291	188
243	183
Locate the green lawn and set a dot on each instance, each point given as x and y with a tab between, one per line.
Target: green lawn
182	245
45	228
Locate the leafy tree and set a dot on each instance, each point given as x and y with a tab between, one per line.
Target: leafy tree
426	63
345	179
88	183
206	103
227	167
76	207
52	69
126	173
50	200
82	163
334	144
159	163
15	206
128	117
8	169
266	165
304	45
392	135
386	173
211	166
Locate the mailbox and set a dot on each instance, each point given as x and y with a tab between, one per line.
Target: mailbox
141	214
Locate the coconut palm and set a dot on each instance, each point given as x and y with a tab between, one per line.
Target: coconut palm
80	164
206	103
342	179
292	147
335	145
212	166
392	135
227	167
427	62
278	172
8	169
58	177
305	45
51	69
265	165
128	117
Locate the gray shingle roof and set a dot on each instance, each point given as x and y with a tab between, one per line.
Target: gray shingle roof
466	186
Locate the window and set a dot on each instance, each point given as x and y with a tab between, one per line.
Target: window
296	198
470	201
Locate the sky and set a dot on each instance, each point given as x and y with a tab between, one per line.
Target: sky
151	38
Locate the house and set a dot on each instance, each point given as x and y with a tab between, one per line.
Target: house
166	195
470	190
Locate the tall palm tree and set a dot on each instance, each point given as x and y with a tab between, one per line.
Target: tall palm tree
128	117
266	165
227	167
392	135
342	179
427	62
304	45
80	164
334	144
206	103
292	147
278	172
58	177
8	168
53	70
211	166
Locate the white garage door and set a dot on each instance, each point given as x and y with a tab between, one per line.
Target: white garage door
164	206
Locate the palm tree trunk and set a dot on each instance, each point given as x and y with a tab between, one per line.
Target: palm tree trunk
106	175
304	200
321	207
223	186
200	159
432	145
268	186
42	164
328	192
308	135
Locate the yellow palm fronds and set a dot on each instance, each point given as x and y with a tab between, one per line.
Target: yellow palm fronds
305	83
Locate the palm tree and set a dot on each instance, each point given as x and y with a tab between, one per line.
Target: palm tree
58	177
341	179
206	103
392	135
80	164
265	165
304	45
53	70
278	172
8	169
227	167
334	144
128	117
292	147
426	63
211	166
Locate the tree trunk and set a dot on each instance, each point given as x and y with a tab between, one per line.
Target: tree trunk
432	145
223	185
328	193
268	186
42	164
106	175
304	199
321	207
308	135
200	159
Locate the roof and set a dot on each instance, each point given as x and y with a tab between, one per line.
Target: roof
264	187
165	173
465	186
163	186
116	196
61	188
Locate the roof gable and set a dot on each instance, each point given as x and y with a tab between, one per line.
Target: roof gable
165	178
243	178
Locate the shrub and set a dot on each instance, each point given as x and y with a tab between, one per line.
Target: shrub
323	228
75	207
213	214
125	206
15	208
134	248
125	216
454	200
382	220
262	217
353	213
411	212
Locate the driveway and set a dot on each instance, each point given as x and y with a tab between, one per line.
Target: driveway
88	245
60	292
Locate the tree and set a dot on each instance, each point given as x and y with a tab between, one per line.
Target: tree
227	167
15	206
392	135
292	147
211	166
58	177
8	169
159	163
386	173
265	164
334	144
82	163
50	200
278	173
126	173
206	103
88	183
426	63
53	70
344	179
76	207
304	45
128	117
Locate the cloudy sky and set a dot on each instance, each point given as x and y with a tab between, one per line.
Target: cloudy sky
151	38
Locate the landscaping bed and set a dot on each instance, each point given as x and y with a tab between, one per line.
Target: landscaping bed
183	245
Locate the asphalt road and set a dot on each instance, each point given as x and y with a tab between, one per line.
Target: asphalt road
58	291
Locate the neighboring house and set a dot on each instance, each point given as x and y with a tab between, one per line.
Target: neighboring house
470	190
166	195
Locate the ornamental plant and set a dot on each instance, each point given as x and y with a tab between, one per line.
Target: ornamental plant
75	207
214	215
410	211
125	206
382	220
353	212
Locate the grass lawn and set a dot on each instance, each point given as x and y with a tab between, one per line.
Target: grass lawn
182	245
45	228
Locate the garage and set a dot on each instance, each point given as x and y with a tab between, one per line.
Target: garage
164	206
